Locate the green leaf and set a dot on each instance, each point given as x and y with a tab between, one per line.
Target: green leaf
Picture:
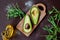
45	28
58	16
50	31
55	37
55	10
51	11
52	21
49	37
59	29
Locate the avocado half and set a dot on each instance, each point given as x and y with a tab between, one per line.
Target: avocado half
34	13
27	26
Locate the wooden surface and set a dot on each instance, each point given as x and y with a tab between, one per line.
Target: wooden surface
38	33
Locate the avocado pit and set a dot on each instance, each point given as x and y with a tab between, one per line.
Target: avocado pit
27	26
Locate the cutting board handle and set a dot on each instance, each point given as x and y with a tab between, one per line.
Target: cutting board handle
41	6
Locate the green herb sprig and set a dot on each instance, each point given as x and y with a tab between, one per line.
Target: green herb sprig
14	11
54	28
56	12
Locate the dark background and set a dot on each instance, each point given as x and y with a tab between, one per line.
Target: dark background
38	33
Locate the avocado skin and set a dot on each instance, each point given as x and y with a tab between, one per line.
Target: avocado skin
35	17
27	20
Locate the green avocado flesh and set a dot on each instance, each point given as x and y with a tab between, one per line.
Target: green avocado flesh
27	26
34	13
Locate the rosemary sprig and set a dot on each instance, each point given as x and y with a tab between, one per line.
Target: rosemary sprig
14	11
54	29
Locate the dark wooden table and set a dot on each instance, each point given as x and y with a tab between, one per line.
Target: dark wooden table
38	32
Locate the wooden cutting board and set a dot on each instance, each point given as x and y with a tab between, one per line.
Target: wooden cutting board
42	15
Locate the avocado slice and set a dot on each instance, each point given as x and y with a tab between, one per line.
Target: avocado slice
34	13
27	26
